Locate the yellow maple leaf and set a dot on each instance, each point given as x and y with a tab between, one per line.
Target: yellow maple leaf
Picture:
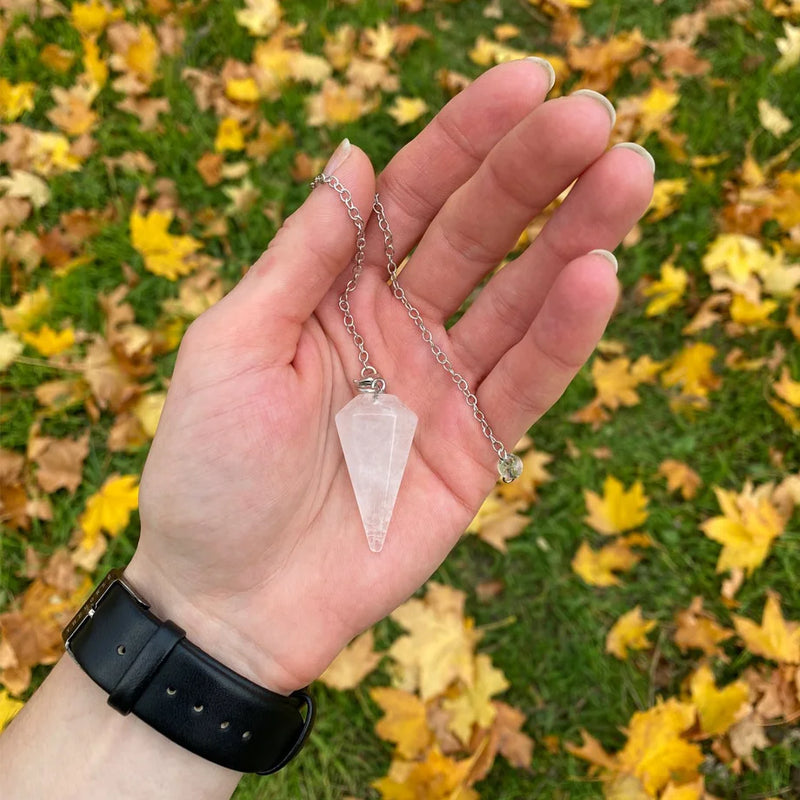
473	704
15	99
229	135
787	389
242	90
51	154
681	477
775	638
656	107
617	510
690	369
136	52
497	521
695	628
629	632
748	525
163	253
787	413
405	110
736	256
353	664
49	342
9	708
667	291
148	410
665	195
437	650
260	17
32	305
109	509
335	104
591	750
717	709
405	722
597	567
753	315
655	751
92	18
438	777
94	64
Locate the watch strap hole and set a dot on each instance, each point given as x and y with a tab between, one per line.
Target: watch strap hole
121	649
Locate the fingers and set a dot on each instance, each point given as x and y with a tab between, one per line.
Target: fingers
534	373
602	207
312	248
421	177
482	221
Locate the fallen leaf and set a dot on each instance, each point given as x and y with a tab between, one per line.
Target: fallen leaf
617	510
680	477
746	529
629	632
59	461
597	567
472	705
775	638
353	664
717	709
696	628
404	722
407	109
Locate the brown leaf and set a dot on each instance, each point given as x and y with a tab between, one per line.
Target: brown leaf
59	461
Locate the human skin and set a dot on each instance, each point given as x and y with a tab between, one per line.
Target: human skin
251	539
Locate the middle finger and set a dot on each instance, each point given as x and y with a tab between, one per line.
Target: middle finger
483	219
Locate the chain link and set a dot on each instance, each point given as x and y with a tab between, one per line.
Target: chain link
510	466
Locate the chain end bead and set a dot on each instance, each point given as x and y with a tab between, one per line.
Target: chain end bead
509	467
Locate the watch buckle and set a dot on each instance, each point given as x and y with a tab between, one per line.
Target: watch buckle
88	609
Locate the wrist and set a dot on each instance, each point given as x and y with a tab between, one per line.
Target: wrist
209	625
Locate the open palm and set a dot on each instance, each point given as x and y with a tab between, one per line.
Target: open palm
251	537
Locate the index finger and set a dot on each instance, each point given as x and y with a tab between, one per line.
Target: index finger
422	176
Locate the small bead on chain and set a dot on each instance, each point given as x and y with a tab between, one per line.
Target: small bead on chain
509	464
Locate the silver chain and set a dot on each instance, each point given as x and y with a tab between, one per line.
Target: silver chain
509	464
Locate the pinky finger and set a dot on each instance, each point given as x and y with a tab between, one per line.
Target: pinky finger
534	373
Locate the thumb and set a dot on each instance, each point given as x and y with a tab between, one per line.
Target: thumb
312	248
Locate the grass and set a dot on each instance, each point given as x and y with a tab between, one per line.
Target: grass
546	630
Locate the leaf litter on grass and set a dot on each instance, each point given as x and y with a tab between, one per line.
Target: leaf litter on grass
101	69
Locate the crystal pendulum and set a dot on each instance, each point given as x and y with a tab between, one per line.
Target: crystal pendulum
376	431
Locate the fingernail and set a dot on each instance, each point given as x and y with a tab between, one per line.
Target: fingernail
339	156
602	99
608	256
547	67
637	148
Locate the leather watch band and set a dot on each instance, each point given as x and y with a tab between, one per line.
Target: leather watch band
150	669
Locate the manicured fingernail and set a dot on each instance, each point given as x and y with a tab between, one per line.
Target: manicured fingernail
608	256
602	99
637	148
547	67
339	156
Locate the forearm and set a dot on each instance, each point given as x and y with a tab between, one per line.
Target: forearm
68	739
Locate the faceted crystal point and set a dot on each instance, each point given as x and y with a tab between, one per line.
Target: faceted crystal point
376	431
510	467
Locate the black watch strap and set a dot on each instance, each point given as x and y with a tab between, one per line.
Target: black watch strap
150	669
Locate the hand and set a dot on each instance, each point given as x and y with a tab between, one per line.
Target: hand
251	538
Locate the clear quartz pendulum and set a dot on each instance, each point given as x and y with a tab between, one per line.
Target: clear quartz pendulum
375	429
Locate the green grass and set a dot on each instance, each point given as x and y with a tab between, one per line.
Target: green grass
547	629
